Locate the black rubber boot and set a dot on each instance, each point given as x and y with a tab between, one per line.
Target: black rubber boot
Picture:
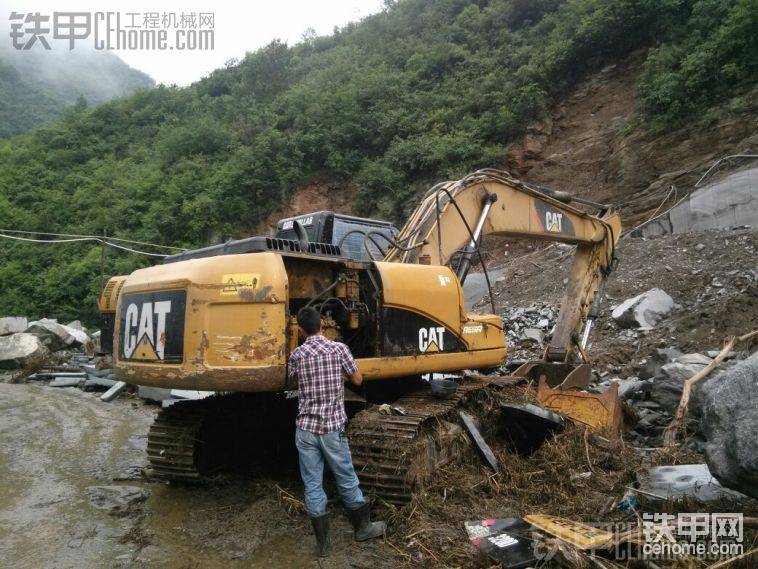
321	529
362	524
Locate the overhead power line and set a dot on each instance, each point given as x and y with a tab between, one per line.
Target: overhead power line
76	239
18	231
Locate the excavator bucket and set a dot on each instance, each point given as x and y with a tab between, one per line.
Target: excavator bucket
596	410
561	375
561	389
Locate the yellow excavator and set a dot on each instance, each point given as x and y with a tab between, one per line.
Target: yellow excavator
222	319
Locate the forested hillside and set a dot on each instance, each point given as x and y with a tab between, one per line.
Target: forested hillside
425	90
37	86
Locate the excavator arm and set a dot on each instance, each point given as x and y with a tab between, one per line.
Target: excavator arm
449	223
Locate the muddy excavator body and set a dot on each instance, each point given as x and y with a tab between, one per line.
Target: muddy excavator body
227	322
222	318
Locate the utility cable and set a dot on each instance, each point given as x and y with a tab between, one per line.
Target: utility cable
644	223
79	239
18	231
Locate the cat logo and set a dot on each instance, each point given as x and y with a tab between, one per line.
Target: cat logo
444	280
553	222
431	339
145	330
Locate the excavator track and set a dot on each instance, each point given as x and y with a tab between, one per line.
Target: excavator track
172	442
192	440
395	454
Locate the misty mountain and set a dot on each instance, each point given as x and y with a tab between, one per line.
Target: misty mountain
424	91
37	86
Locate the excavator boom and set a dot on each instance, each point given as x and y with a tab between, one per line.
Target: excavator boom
449	223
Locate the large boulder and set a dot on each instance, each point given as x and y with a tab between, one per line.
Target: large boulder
654	363
76	325
729	423
644	310
668	384
12	325
56	336
17	350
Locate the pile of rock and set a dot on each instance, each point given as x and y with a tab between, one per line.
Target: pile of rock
22	342
727	283
655	392
722	423
528	328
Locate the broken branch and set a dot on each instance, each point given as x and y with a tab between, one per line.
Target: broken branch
587	449
670	434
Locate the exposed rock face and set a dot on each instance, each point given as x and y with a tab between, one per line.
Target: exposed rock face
644	310
56	336
12	325
727	203
19	349
730	425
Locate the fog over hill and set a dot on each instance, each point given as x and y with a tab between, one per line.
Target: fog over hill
37	85
381	109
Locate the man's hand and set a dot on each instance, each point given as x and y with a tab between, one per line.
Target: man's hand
355	378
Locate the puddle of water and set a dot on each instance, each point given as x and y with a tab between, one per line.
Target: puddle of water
232	525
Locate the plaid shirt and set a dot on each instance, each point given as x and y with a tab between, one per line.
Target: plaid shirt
320	365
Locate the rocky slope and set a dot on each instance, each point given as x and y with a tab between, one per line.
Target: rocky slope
590	145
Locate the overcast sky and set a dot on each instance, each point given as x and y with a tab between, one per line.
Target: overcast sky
239	27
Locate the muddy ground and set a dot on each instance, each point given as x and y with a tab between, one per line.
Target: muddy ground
55	444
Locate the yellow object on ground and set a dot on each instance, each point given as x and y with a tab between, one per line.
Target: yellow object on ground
577	534
596	410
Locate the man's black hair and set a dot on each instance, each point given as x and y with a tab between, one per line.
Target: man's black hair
309	320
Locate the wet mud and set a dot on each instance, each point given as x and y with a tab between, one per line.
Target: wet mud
73	496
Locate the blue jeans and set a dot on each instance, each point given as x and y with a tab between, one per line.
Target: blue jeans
332	447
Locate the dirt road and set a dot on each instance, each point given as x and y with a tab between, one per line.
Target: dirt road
73	497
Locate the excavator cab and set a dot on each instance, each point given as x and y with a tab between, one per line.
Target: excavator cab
359	238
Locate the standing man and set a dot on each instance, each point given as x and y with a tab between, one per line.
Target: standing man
321	366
